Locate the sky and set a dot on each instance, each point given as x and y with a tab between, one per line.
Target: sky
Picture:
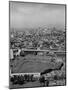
34	15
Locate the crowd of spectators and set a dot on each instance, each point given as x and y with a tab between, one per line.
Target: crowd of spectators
20	79
43	80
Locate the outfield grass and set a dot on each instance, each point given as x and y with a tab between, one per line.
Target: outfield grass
31	64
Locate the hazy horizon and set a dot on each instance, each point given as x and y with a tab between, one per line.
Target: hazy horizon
34	15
